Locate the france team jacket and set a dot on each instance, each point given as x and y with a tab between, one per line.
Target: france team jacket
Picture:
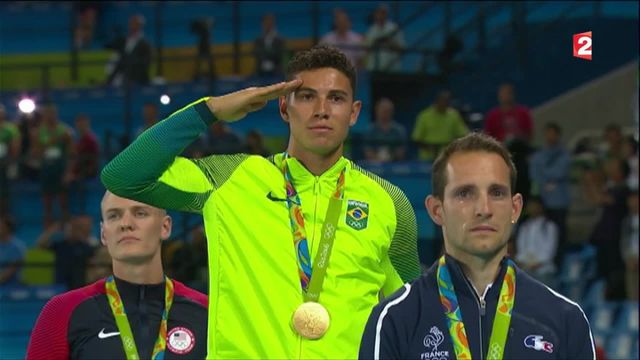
411	323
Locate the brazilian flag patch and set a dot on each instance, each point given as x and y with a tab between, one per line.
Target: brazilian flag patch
357	214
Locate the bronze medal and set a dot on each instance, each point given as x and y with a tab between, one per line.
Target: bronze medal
311	320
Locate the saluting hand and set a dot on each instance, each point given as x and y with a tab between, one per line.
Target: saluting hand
236	105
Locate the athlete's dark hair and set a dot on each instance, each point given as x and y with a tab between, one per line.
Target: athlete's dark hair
322	56
472	142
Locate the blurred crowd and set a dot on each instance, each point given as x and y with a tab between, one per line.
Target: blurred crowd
41	149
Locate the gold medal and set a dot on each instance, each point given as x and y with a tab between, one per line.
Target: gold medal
311	320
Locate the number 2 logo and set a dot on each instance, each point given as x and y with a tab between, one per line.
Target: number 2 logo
582	45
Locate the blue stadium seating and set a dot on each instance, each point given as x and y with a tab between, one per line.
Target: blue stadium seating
595	293
603	315
620	345
627	320
19	309
578	265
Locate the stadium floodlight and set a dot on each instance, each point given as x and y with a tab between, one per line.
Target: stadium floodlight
26	105
165	99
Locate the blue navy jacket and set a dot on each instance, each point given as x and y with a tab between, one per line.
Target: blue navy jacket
411	323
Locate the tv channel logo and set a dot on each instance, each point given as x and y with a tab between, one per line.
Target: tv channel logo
582	45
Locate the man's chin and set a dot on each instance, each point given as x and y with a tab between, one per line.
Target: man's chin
489	251
325	149
135	259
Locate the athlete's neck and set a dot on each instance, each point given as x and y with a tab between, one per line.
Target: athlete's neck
507	106
316	164
480	271
149	272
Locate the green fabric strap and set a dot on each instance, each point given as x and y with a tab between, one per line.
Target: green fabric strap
321	261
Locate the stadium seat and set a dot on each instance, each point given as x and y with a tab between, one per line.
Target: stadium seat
620	345
600	337
38	269
602	316
13	347
595	293
579	265
573	290
627	319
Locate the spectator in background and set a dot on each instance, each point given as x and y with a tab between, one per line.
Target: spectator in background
629	246
509	120
346	40
87	150
189	262
606	235
197	149
115	45
385	140
134	60
85	27
221	139
86	159
254	143
29	159
521	151
385	42
630	154
269	49
73	246
54	146
512	124
202	29
437	126
88	23
10	144
149	117
12	253
613	140
549	168
537	242
453	45
99	265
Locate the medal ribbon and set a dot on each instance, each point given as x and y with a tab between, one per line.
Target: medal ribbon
454	314
126	335
312	285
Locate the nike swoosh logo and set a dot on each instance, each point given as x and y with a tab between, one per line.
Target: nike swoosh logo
273	198
104	335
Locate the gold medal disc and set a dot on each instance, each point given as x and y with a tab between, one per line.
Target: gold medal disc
311	320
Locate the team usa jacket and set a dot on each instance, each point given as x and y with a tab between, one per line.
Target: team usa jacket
79	324
411	323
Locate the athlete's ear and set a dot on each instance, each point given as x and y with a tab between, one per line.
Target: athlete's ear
167	223
282	105
434	208
102	239
355	111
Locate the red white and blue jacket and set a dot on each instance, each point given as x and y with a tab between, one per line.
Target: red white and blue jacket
79	324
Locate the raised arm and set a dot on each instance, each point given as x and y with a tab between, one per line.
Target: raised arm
150	170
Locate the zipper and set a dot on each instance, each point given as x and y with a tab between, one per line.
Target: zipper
144	322
316	193
481	311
